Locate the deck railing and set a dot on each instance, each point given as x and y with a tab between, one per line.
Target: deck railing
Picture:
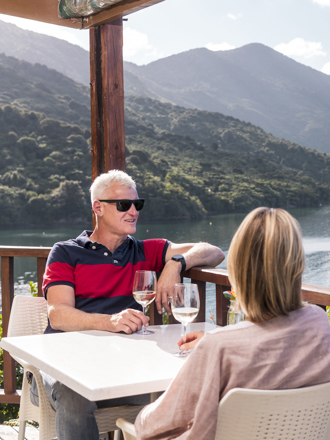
199	275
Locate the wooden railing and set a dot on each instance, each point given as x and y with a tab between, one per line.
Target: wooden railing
199	275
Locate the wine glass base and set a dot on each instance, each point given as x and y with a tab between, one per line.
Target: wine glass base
182	353
144	331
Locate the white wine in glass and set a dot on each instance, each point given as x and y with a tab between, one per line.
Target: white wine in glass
144	292
185	307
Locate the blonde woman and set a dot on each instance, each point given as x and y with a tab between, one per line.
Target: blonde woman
282	344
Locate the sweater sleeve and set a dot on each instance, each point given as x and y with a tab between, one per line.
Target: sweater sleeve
188	409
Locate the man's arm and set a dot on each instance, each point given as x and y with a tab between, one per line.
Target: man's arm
64	316
195	254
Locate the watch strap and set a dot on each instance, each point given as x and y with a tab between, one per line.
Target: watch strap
182	261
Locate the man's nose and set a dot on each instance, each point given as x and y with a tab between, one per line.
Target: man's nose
132	210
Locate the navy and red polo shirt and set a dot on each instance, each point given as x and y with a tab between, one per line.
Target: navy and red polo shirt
102	280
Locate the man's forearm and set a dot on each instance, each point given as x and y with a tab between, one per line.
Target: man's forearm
203	254
66	318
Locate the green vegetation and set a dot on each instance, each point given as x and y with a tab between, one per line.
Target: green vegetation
190	163
187	163
45	169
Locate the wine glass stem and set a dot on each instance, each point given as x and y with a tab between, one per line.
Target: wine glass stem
144	313
184	333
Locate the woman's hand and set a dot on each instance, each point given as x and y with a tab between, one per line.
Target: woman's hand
192	339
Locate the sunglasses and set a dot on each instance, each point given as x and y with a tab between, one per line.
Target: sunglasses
124	205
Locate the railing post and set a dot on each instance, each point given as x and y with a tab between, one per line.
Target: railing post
202	297
155	317
222	304
41	265
7	289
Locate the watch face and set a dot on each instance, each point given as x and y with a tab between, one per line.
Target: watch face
177	257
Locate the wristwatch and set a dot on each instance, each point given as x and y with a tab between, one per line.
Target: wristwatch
181	259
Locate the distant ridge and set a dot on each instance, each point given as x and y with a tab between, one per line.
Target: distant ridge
253	83
69	59
188	163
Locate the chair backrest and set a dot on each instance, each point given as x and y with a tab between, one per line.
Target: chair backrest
28	316
302	413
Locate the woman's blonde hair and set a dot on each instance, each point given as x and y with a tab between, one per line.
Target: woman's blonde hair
265	264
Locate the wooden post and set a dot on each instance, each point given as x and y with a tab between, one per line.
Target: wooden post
202	296
7	288
41	265
107	97
222	304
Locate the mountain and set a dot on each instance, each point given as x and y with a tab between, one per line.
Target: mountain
38	88
187	163
253	83
69	59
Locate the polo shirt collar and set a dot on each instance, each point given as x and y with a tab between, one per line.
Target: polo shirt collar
84	241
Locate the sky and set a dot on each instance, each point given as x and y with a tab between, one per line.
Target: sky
297	28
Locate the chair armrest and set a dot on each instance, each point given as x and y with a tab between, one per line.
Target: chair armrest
127	428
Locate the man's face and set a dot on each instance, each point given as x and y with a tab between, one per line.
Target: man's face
117	222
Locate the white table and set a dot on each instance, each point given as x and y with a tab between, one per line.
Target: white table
101	365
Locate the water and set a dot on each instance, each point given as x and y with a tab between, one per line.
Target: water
218	230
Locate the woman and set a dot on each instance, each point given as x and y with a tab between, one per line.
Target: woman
282	344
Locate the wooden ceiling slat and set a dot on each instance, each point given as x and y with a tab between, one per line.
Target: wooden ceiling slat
119	10
46	11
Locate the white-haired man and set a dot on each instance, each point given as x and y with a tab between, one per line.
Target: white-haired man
88	286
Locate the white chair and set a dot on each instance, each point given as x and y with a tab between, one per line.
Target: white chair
302	413
245	414
29	317
127	429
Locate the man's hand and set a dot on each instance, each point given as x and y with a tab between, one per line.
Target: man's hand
64	316
128	321
195	254
192	340
165	285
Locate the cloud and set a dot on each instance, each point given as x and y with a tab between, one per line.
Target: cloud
322	2
219	46
73	36
326	69
234	16
136	42
299	47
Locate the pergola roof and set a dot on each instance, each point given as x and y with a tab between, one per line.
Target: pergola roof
47	11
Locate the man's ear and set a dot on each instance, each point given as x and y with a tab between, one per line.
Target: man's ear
97	208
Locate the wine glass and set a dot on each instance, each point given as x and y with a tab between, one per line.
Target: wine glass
185	307
144	292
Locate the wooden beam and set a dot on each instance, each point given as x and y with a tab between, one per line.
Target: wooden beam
107	98
10	398
118	10
46	11
24	251
39	10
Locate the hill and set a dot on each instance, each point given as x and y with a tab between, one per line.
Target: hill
38	88
66	58
253	83
188	163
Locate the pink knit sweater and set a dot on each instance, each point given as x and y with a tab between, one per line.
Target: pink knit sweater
285	352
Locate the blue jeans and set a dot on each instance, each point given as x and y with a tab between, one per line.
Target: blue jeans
74	418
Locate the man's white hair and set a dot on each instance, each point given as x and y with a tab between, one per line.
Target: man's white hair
106	180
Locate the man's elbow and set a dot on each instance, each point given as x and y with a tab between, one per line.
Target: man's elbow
219	257
54	319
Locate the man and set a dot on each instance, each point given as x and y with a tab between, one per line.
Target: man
88	286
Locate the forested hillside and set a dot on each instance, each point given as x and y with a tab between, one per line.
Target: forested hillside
254	83
187	163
